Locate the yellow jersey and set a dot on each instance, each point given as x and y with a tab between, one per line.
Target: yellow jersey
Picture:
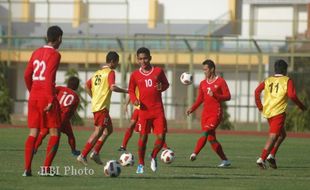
137	95
275	95
101	93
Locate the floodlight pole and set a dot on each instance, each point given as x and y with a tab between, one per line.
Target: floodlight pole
260	77
190	88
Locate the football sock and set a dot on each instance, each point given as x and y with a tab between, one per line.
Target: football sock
141	151
127	136
274	151
87	148
29	146
264	154
165	146
201	143
217	147
71	139
98	146
39	141
51	151
157	146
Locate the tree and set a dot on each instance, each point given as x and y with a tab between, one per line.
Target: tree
225	124
5	100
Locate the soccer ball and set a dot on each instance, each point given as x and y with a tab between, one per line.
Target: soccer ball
186	78
112	168
167	156
126	159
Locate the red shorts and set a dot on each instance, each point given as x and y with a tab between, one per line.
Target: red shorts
210	123
37	118
276	123
102	118
154	121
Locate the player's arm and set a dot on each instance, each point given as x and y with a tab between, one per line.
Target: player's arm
126	104
28	74
225	95
258	91
198	101
113	86
131	90
164	84
88	87
291	93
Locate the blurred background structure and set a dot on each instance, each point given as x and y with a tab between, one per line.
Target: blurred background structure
243	37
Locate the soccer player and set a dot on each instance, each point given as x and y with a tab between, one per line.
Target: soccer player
43	107
212	91
69	101
100	87
276	90
151	82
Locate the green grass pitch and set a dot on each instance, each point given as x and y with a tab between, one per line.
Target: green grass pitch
293	163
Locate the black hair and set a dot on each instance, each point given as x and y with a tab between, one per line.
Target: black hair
144	50
280	67
112	56
73	83
210	63
53	33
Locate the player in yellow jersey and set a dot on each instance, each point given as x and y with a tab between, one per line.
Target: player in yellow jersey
100	87
276	90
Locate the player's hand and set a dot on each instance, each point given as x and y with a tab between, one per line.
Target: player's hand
188	111
159	86
136	103
48	107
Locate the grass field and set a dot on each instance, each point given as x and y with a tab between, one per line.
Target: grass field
293	162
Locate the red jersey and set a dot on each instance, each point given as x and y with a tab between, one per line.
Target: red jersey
212	104
40	73
150	98
68	100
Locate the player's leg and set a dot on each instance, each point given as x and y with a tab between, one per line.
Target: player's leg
67	129
141	151
128	135
271	159
102	139
217	148
199	145
29	150
42	134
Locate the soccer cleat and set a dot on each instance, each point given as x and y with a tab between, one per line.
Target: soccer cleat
272	161
82	160
261	163
140	169
75	152
95	157
122	149
193	157
154	164
27	173
224	164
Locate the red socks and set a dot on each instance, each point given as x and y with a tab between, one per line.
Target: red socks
87	149
141	151
41	136
200	144
127	136
217	147
51	151
157	146
98	146
264	154
29	147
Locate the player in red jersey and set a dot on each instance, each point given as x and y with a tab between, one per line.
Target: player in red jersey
69	101
151	82
276	90
99	87
212	91
43	107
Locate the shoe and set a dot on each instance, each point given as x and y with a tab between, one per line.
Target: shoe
154	164
224	164
261	163
140	169
95	157
272	161
193	157
27	173
122	149
82	160
75	152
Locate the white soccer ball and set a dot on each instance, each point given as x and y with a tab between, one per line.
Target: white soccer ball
186	78
127	159
112	168
167	156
